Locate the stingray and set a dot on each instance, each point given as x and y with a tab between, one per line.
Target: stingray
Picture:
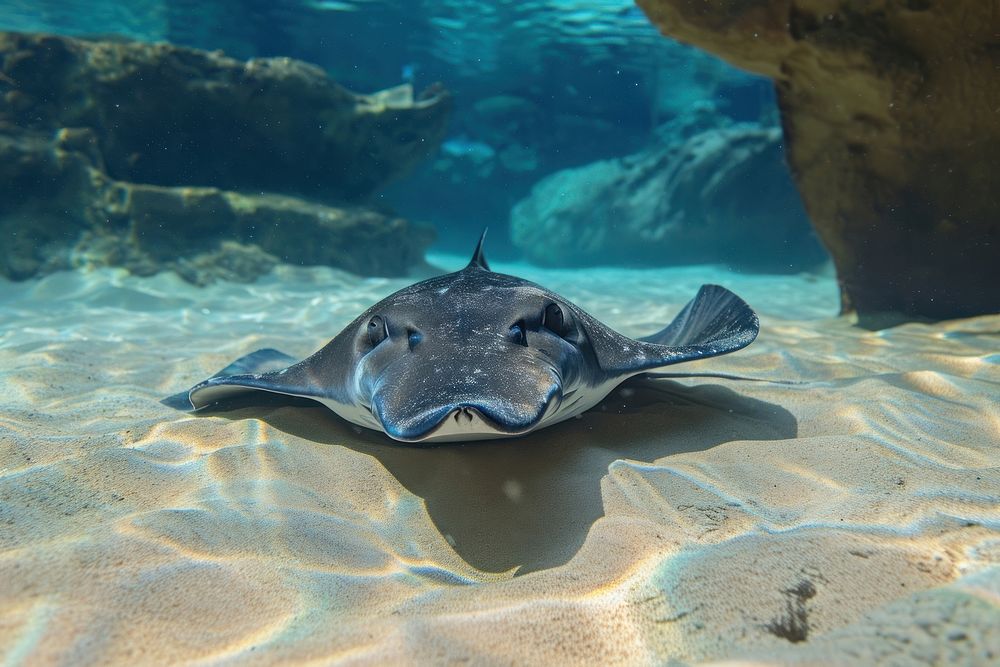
474	355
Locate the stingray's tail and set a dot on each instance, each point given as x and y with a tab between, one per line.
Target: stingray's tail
723	376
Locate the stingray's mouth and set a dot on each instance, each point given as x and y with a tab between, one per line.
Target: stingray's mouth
463	421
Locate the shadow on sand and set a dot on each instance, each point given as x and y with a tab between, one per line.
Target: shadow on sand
530	501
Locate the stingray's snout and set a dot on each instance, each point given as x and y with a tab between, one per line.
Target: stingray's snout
442	396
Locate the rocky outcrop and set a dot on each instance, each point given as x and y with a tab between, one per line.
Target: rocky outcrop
152	156
890	115
68	213
168	115
722	194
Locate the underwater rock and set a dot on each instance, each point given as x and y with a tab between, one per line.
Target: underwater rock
122	153
58	210
169	115
45	200
165	224
890	114
721	194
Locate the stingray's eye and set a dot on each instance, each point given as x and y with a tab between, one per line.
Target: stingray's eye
413	338
378	331
519	333
554	320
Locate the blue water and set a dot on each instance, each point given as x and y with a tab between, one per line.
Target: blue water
538	87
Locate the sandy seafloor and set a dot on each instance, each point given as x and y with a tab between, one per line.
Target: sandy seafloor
851	519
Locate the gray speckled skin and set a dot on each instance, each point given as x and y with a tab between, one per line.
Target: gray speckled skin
452	367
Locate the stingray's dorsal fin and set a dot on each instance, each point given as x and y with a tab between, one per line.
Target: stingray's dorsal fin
478	257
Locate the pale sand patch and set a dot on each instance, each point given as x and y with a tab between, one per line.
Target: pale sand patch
849	519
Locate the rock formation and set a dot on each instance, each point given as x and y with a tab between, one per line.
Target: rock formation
153	156
723	194
890	110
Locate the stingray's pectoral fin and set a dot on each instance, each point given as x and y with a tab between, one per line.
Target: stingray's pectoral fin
258	371
178	401
714	316
266	360
715	322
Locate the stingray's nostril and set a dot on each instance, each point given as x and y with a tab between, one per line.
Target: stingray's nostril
463	413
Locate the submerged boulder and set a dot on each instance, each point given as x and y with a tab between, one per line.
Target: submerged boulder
169	115
152	156
67	213
720	194
890	114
